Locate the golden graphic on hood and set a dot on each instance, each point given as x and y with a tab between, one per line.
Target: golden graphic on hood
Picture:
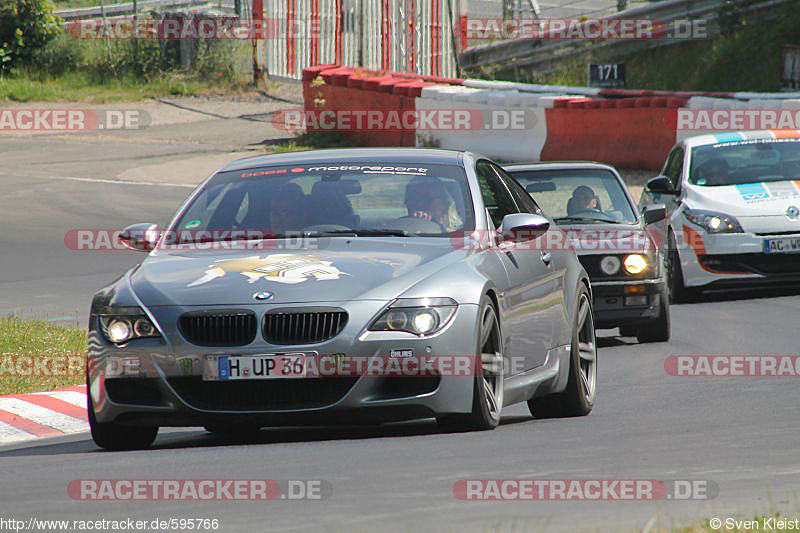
283	268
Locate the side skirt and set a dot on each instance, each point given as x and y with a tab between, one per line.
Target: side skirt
539	381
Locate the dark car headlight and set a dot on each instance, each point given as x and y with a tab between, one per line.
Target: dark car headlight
121	324
713	222
418	316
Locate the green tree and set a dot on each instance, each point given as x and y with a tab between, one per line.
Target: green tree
25	26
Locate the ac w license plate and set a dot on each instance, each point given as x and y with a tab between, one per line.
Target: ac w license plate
264	366
788	245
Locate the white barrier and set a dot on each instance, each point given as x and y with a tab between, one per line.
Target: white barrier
502	144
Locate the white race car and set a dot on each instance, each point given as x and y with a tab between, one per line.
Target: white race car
733	210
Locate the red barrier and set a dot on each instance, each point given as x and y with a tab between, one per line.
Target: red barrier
630	137
576	103
309	73
310	92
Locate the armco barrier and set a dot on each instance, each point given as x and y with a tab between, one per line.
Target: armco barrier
624	127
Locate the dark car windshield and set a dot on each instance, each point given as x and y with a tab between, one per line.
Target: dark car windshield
748	161
380	198
578	196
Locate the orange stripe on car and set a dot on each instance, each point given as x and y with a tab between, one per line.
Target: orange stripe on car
785	134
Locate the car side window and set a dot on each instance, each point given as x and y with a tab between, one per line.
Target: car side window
496	198
672	169
521	197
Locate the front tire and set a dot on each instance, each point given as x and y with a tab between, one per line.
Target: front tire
116	437
487	390
578	397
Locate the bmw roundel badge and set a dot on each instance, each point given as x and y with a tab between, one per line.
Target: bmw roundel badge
264	295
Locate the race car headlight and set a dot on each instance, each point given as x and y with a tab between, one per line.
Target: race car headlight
121	324
636	263
713	222
419	316
610	265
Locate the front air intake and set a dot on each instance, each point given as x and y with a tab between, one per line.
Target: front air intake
219	328
307	326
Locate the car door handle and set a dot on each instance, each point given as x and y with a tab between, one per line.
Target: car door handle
547	257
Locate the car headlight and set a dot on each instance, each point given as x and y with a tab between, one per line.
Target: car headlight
610	265
419	316
121	324
636	263
713	222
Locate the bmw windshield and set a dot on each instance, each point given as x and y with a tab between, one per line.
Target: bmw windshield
363	199
578	196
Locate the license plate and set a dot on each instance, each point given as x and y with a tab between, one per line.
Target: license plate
788	245
265	366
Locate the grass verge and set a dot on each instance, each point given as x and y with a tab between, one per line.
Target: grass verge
22	342
77	87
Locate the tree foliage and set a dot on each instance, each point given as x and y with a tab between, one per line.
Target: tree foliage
25	26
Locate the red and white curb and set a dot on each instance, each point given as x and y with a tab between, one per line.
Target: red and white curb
43	414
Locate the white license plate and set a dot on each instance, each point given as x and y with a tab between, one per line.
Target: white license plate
787	245
263	366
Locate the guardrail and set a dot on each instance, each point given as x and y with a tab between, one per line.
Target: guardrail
126	8
543	55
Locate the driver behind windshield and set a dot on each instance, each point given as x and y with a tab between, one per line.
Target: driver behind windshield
428	199
583	199
713	172
287	208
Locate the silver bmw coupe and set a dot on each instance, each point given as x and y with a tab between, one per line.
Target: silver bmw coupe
337	287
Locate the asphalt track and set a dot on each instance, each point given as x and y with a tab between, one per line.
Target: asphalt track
740	433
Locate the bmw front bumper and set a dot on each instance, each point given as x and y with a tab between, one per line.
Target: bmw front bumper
158	381
627	303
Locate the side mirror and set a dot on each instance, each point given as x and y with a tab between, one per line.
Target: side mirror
661	185
522	227
140	237
655	213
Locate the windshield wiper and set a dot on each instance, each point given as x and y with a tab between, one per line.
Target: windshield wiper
361	233
232	235
587	219
382	233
